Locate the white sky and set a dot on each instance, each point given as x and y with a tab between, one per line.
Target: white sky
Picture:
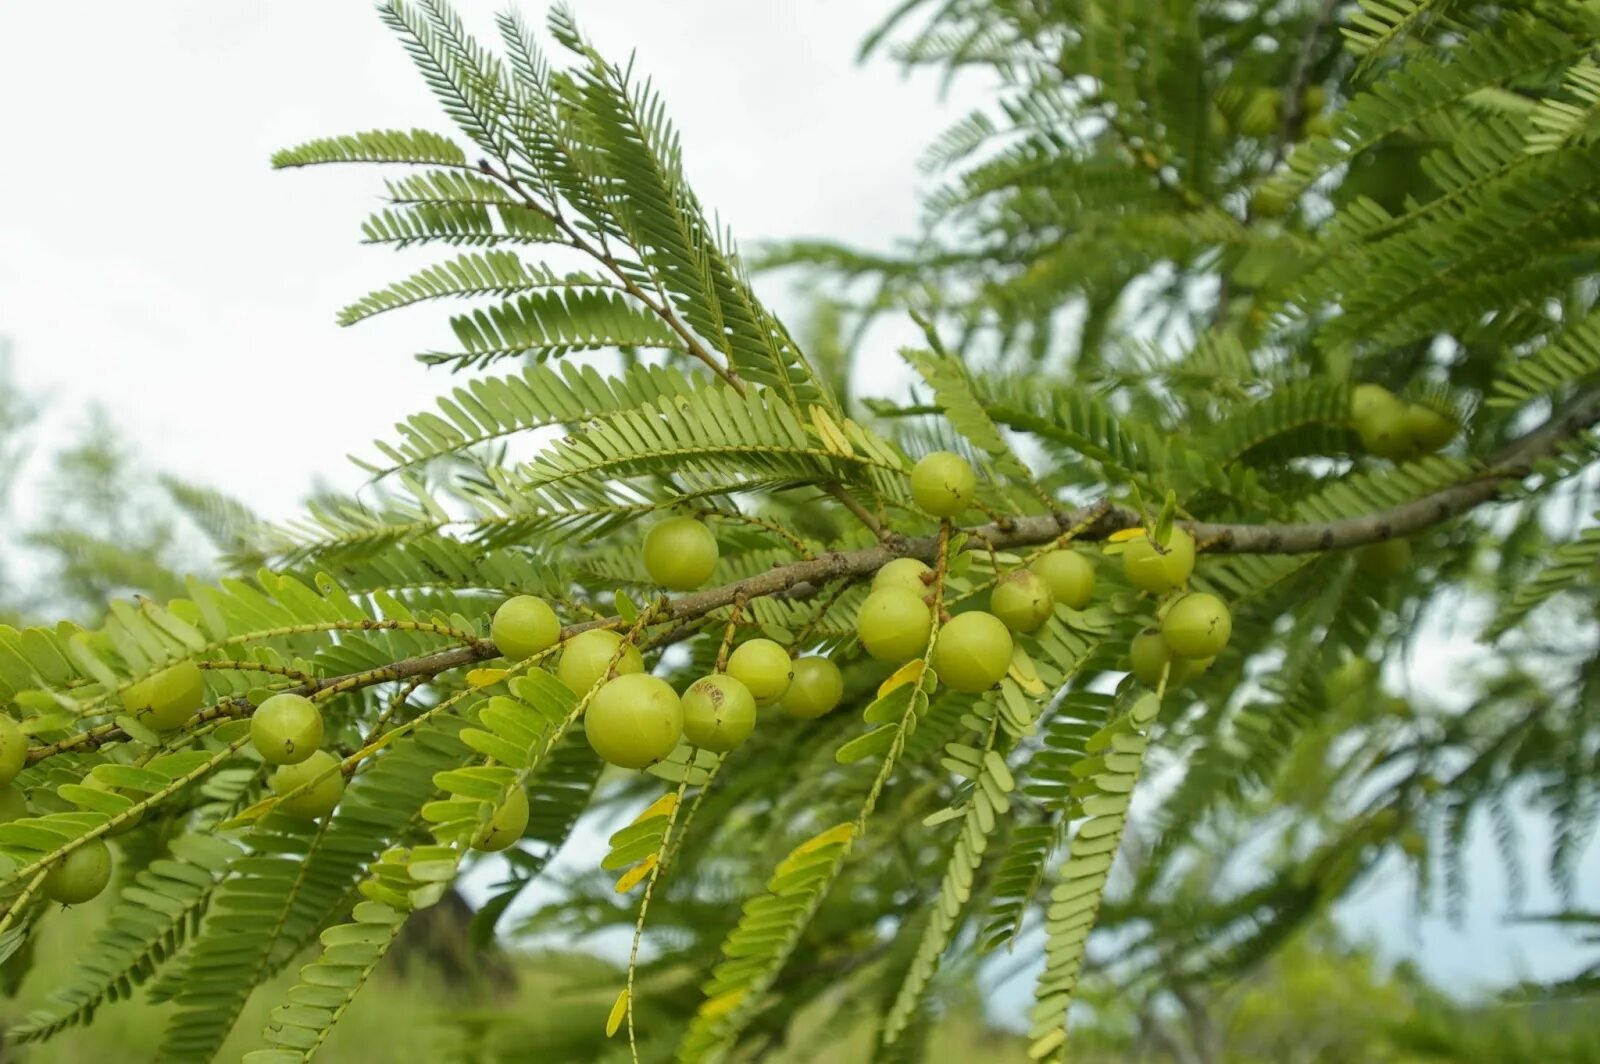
150	260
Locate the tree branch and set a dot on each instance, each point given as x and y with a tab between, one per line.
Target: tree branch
1094	522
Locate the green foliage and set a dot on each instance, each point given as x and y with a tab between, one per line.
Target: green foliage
1151	276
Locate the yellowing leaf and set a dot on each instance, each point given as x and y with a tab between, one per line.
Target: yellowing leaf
485	677
618	1012
662	806
833	437
635	875
249	816
1024	673
1051	1042
722	1004
907	673
1125	534
837	833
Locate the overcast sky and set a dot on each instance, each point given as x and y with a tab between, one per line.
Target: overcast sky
150	261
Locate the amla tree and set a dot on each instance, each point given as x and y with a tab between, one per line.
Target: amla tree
1242	345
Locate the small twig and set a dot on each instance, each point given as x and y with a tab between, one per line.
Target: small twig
862	514
728	632
1299	76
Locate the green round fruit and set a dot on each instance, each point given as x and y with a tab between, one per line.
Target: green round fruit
1367	399
1197	626
523	626
169	698
1022	600
1387	560
719	712
1349	679
587	655
1428	429
92	781
1314	99
634	720
286	729
13	748
317	800
680	553
764	667
79	876
1150	655
894	625
1413	843
506	824
1159	571
972	653
903	572
943	484
1380	420
1069	575
815	690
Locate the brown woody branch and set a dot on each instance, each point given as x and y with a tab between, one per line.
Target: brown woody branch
1095	522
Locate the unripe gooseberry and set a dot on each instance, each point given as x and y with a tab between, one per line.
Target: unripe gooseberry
94	783
1022	600
1150	655
318	799
1379	418
169	698
1314	99
943	484
13	749
286	729
634	721
973	652
1069	575
894	624
523	626
719	712
1159	570
79	876
1197	626
13	803
506	824
680	553
1428	429
764	667
1349	679
903	572
1318	125
815	690
1388	559
587	655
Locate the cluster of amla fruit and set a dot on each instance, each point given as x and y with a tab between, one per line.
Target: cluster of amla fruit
1192	628
973	649
85	871
634	720
1392	428
286	730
